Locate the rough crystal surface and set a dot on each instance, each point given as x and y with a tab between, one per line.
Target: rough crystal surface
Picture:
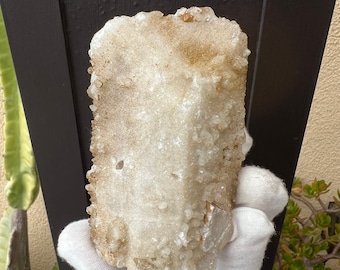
167	134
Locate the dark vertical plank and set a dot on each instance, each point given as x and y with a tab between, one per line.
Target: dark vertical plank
37	43
82	20
293	39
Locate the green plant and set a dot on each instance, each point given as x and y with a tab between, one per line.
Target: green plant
309	242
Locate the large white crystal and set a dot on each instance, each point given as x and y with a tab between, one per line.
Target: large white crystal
167	134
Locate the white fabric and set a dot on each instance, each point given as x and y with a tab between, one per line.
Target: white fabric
75	246
246	251
248	142
261	189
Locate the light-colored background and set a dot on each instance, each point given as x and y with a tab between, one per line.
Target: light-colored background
320	153
319	156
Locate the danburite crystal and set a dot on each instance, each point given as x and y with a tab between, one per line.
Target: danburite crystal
168	128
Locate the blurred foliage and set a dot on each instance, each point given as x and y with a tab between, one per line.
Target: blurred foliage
309	242
5	234
19	163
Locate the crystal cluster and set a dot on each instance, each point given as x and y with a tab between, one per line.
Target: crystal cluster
167	134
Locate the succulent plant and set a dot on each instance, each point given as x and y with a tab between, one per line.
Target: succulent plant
308	242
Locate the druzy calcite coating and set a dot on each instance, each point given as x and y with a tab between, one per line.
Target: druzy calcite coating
167	134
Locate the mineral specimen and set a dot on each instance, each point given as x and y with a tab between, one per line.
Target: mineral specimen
167	134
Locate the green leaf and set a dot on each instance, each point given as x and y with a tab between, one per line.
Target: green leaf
336	200
322	220
19	162
321	247
297	265
287	258
5	235
322	186
334	238
319	266
308	191
317	188
309	230
307	251
293	210
337	228
56	267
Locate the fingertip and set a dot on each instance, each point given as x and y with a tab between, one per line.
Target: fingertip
261	189
248	142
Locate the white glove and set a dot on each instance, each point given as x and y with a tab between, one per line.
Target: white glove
260	197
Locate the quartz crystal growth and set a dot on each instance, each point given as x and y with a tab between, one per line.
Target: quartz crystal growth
168	128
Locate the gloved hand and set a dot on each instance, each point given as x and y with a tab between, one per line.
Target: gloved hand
260	197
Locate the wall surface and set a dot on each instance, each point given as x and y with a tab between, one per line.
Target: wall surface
320	154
